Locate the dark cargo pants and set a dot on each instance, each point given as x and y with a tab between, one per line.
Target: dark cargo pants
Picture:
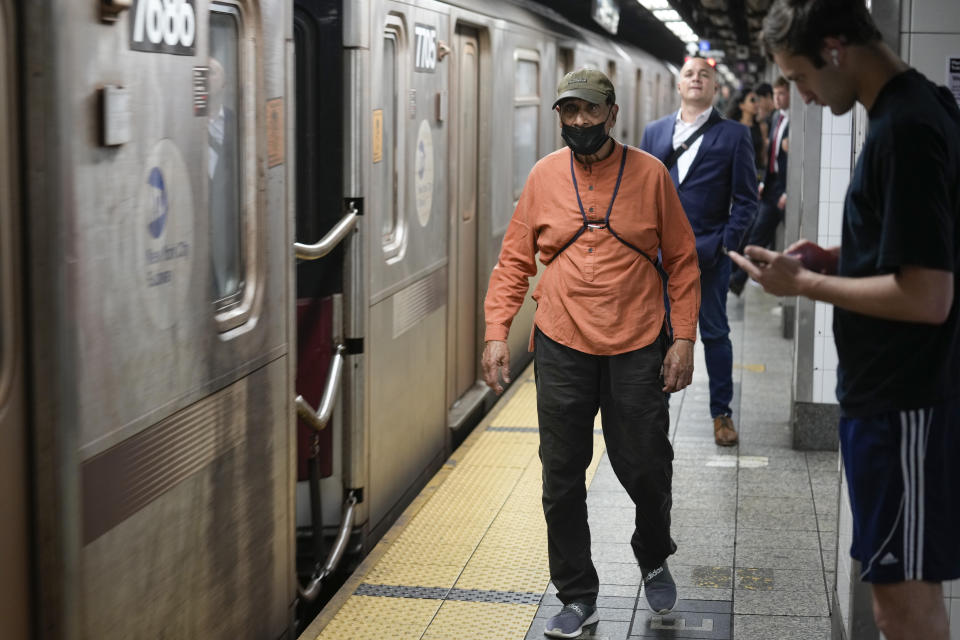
626	388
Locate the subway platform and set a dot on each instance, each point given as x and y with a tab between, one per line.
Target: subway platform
755	525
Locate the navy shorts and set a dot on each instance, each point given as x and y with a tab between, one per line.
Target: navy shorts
903	472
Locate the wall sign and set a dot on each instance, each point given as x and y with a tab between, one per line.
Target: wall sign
164	26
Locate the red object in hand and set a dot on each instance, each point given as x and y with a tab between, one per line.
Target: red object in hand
815	258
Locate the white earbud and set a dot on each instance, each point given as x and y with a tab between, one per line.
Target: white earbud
835	56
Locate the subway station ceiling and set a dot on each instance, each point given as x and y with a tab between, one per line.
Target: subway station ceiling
731	27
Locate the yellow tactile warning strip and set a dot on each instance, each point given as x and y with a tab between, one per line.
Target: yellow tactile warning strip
468	559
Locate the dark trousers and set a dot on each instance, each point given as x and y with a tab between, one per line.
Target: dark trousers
626	388
762	232
715	333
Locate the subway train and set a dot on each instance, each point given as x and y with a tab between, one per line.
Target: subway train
244	246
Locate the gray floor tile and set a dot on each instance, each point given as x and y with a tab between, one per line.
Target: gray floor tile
780	505
804	559
757	627
704	536
618	573
612	552
781	603
681	625
620	590
777	538
694	555
617	602
792	580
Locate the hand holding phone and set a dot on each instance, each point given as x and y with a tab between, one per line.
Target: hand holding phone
814	257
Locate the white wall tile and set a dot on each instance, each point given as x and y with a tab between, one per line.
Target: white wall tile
835	220
955	619
955	589
940	16
823	219
829	386
844	123
828	321
826	120
840	151
818	353
839	179
817	385
829	355
824	186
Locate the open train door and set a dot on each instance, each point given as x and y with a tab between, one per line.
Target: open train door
15	587
325	510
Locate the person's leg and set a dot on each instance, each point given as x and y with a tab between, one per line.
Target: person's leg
902	477
567	401
910	610
636	430
718	351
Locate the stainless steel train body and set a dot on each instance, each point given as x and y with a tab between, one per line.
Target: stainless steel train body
155	379
158	159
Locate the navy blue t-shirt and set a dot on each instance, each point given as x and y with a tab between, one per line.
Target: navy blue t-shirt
902	209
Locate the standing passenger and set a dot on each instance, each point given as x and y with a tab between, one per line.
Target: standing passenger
711	163
599	215
773	189
893	282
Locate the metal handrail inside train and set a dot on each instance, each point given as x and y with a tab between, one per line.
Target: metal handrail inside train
318	419
328	243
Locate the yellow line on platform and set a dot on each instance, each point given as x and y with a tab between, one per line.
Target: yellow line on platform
477	528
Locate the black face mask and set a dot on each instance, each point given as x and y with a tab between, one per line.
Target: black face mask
584	141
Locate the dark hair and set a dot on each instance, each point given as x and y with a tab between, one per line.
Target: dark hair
781	82
764	90
734	112
798	27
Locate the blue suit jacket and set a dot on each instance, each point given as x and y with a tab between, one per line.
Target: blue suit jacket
719	192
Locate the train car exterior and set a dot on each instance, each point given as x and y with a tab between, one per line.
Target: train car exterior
158	257
158	161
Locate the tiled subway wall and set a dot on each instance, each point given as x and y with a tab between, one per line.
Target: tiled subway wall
836	149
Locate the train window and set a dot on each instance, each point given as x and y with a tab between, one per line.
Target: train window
224	167
392	225
526	117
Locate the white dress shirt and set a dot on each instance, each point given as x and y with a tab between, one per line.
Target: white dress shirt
683	130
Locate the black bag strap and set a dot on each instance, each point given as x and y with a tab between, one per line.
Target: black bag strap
671	160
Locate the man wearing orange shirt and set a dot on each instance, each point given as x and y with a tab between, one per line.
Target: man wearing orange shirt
606	221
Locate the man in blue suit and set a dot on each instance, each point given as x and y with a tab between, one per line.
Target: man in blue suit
712	165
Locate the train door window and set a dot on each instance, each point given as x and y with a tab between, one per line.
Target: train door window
224	167
526	118
618	130
638	111
391	227
656	98
564	66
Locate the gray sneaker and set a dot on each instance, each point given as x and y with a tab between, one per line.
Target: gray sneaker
660	589
572	620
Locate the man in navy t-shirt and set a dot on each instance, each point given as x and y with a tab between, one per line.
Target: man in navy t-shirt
894	284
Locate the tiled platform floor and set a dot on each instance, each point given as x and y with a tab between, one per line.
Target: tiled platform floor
755	524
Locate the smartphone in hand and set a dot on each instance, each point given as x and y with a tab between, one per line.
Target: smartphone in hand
815	258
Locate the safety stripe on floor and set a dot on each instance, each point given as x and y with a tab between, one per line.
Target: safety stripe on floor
468	559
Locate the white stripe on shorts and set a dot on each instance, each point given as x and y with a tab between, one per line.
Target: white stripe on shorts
915	430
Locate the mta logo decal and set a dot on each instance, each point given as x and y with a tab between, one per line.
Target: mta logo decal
159	215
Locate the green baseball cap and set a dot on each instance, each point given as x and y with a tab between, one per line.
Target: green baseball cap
587	84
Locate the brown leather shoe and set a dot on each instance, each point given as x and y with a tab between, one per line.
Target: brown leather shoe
723	432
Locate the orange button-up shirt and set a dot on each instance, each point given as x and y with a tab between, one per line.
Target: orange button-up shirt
599	296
